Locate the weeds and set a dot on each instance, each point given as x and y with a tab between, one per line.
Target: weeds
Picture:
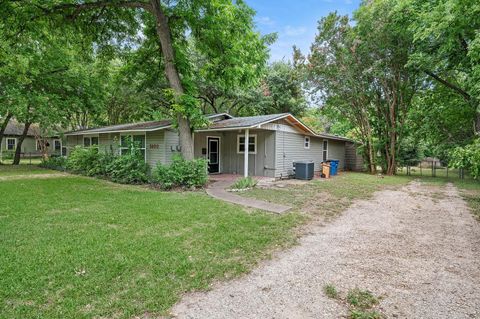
360	303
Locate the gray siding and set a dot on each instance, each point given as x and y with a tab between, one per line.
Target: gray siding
290	148
353	160
172	145
108	142
336	150
231	162
155	148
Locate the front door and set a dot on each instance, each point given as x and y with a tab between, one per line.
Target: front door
213	152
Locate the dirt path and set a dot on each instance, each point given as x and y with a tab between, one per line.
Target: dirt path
418	248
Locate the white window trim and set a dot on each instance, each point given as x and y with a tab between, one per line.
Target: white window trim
120	147
208	146
59	140
6	143
249	136
323	149
305	138
90	137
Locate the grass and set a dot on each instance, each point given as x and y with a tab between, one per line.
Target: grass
328	197
16	170
360	303
75	247
330	291
244	183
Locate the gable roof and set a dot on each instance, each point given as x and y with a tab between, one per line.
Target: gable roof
15	128
236	123
219	122
132	127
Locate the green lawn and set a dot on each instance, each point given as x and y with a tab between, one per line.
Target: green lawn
16	170
76	247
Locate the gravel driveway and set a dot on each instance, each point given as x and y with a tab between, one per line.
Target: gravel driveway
418	248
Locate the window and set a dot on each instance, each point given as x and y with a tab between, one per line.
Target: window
325	150
11	144
252	144
138	140
90	141
306	142
57	145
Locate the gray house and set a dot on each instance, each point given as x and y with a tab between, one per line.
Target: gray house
273	142
30	145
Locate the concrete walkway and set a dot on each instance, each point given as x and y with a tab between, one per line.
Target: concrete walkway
218	190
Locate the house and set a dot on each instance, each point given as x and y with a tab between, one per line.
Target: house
273	142
429	162
30	145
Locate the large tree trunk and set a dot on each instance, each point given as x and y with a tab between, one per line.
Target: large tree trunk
18	150
171	72
4	125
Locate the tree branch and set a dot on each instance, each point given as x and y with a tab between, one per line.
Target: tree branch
449	85
80	7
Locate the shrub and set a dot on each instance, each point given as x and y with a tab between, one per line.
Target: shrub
244	182
83	160
467	157
8	155
54	162
181	173
128	169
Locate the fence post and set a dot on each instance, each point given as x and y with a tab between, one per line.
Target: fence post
447	171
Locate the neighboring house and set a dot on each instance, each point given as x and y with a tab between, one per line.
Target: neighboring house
274	142
30	148
428	162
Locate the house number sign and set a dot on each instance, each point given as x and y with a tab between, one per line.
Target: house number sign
154	146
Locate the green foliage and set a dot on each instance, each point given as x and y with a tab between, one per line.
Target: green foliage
362	299
467	157
7	155
127	169
330	291
244	183
84	160
181	173
54	162
362	314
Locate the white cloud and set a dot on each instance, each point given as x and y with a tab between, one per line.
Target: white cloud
294	31
265	21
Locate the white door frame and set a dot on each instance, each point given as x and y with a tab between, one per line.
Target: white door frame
219	138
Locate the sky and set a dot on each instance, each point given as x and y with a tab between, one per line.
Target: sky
295	21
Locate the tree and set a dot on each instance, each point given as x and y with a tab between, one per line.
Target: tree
223	32
447	46
361	72
381	31
335	68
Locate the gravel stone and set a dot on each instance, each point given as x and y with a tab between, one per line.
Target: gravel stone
418	250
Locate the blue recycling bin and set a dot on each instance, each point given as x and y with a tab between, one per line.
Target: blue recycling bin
333	166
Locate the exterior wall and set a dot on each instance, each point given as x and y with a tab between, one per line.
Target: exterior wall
172	145
29	146
155	148
289	147
353	161
261	164
336	150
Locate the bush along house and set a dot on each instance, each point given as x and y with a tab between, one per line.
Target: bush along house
264	145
